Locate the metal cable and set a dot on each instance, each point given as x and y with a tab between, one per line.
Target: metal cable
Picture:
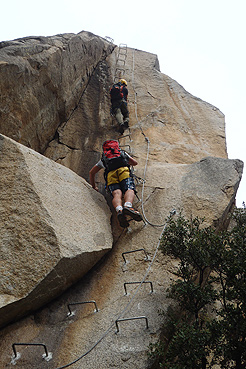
135	94
148	149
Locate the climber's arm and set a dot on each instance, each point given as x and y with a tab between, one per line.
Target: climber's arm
132	161
92	175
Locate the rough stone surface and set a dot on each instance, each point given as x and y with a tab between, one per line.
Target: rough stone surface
53	227
42	80
183	138
206	188
181	128
69	338
54	99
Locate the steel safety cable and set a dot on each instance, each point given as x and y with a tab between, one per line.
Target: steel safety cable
148	148
172	213
135	93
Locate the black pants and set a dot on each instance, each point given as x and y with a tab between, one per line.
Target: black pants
120	111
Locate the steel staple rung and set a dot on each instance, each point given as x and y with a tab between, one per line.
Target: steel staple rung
129	147
128	252
81	303
128	135
109	39
29	344
121	46
120	60
121	56
133	318
119	70
151	285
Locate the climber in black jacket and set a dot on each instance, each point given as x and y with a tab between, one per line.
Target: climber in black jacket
119	94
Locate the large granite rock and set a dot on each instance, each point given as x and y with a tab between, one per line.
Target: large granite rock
54	227
206	189
42	80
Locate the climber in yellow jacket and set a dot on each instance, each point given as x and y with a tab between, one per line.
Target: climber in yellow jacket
120	183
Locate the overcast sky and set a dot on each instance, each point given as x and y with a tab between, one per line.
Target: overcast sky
199	43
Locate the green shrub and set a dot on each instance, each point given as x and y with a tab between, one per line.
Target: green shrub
210	290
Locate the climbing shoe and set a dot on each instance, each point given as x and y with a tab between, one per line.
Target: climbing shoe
126	124
134	214
121	129
122	219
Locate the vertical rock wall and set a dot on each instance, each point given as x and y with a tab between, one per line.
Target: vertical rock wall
42	80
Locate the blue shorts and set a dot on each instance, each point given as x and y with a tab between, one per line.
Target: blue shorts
124	185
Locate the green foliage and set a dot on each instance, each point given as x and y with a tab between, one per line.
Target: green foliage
189	345
191	296
211	269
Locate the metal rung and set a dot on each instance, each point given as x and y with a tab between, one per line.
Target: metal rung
122	50
128	135
122	56
121	46
118	63
128	252
133	318
80	303
116	78
121	70
151	285
30	344
129	147
109	39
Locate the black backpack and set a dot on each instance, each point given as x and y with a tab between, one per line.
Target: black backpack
116	92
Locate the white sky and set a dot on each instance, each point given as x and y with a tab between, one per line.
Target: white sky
199	43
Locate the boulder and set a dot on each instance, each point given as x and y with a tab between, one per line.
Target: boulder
206	189
54	228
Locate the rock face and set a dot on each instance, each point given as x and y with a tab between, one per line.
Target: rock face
181	128
42	80
204	189
54	99
54	228
64	114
